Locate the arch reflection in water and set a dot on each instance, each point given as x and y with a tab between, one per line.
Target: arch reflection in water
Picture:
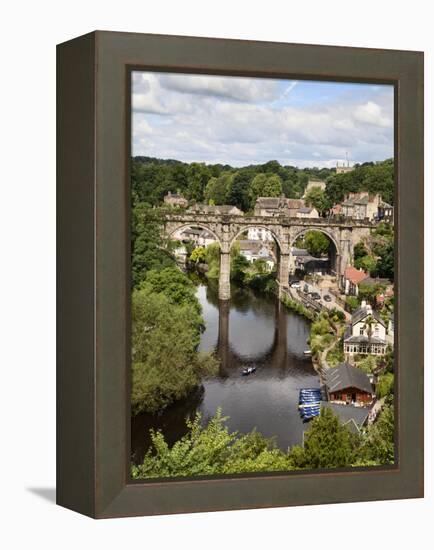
248	330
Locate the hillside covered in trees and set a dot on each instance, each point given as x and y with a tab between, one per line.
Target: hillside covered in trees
223	184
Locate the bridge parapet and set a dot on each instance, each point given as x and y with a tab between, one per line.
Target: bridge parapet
343	233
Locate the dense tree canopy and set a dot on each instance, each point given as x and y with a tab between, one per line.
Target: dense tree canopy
316	197
165	335
316	243
373	177
211	449
222	184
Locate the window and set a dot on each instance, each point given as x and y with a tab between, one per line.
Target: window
361	331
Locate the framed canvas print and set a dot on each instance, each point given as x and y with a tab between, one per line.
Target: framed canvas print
240	274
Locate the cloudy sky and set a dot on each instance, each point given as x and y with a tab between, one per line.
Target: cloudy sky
240	121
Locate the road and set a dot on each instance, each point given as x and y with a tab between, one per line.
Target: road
323	292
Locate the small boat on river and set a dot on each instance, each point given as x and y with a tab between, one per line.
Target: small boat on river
248	370
307	352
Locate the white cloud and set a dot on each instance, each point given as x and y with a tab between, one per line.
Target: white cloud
371	113
234	88
230	120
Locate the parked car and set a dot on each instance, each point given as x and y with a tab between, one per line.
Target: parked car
315	296
295	284
327	298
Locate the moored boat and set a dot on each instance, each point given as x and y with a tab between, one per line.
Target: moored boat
248	370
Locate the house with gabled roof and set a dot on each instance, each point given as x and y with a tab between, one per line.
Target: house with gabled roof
350	280
366	334
347	384
278	206
361	206
175	200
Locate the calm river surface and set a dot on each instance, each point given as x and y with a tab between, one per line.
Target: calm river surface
250	330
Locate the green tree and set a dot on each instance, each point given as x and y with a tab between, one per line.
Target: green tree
198	255
352	303
217	189
367	263
198	175
378	444
239	188
210	450
316	197
386	263
385	385
165	363
316	243
273	186
256	188
149	249
173	284
327	444
369	292
367	364
370	321
360	250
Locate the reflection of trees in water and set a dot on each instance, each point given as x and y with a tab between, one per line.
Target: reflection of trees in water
276	357
242	300
171	421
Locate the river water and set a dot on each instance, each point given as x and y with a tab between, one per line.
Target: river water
249	330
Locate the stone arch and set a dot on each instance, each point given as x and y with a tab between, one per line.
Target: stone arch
170	231
335	255
260	226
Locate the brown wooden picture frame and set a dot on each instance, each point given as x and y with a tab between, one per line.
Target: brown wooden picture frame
93	363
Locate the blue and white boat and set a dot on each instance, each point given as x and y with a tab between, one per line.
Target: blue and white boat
309	403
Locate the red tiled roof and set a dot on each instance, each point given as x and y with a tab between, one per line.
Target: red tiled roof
354	275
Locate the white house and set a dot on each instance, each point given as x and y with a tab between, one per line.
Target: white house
253	250
366	334
259	234
197	235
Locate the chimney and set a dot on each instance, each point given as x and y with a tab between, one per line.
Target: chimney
363	304
369	309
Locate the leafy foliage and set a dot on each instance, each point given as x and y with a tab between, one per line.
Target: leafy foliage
385	385
165	335
373	177
317	198
210	450
327	444
149	250
316	243
378	444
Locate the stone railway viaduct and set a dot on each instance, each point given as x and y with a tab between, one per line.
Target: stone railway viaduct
226	229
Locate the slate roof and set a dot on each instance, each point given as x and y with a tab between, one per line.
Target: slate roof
268	202
305	210
361	339
347	376
363	312
279	202
350	416
361	200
